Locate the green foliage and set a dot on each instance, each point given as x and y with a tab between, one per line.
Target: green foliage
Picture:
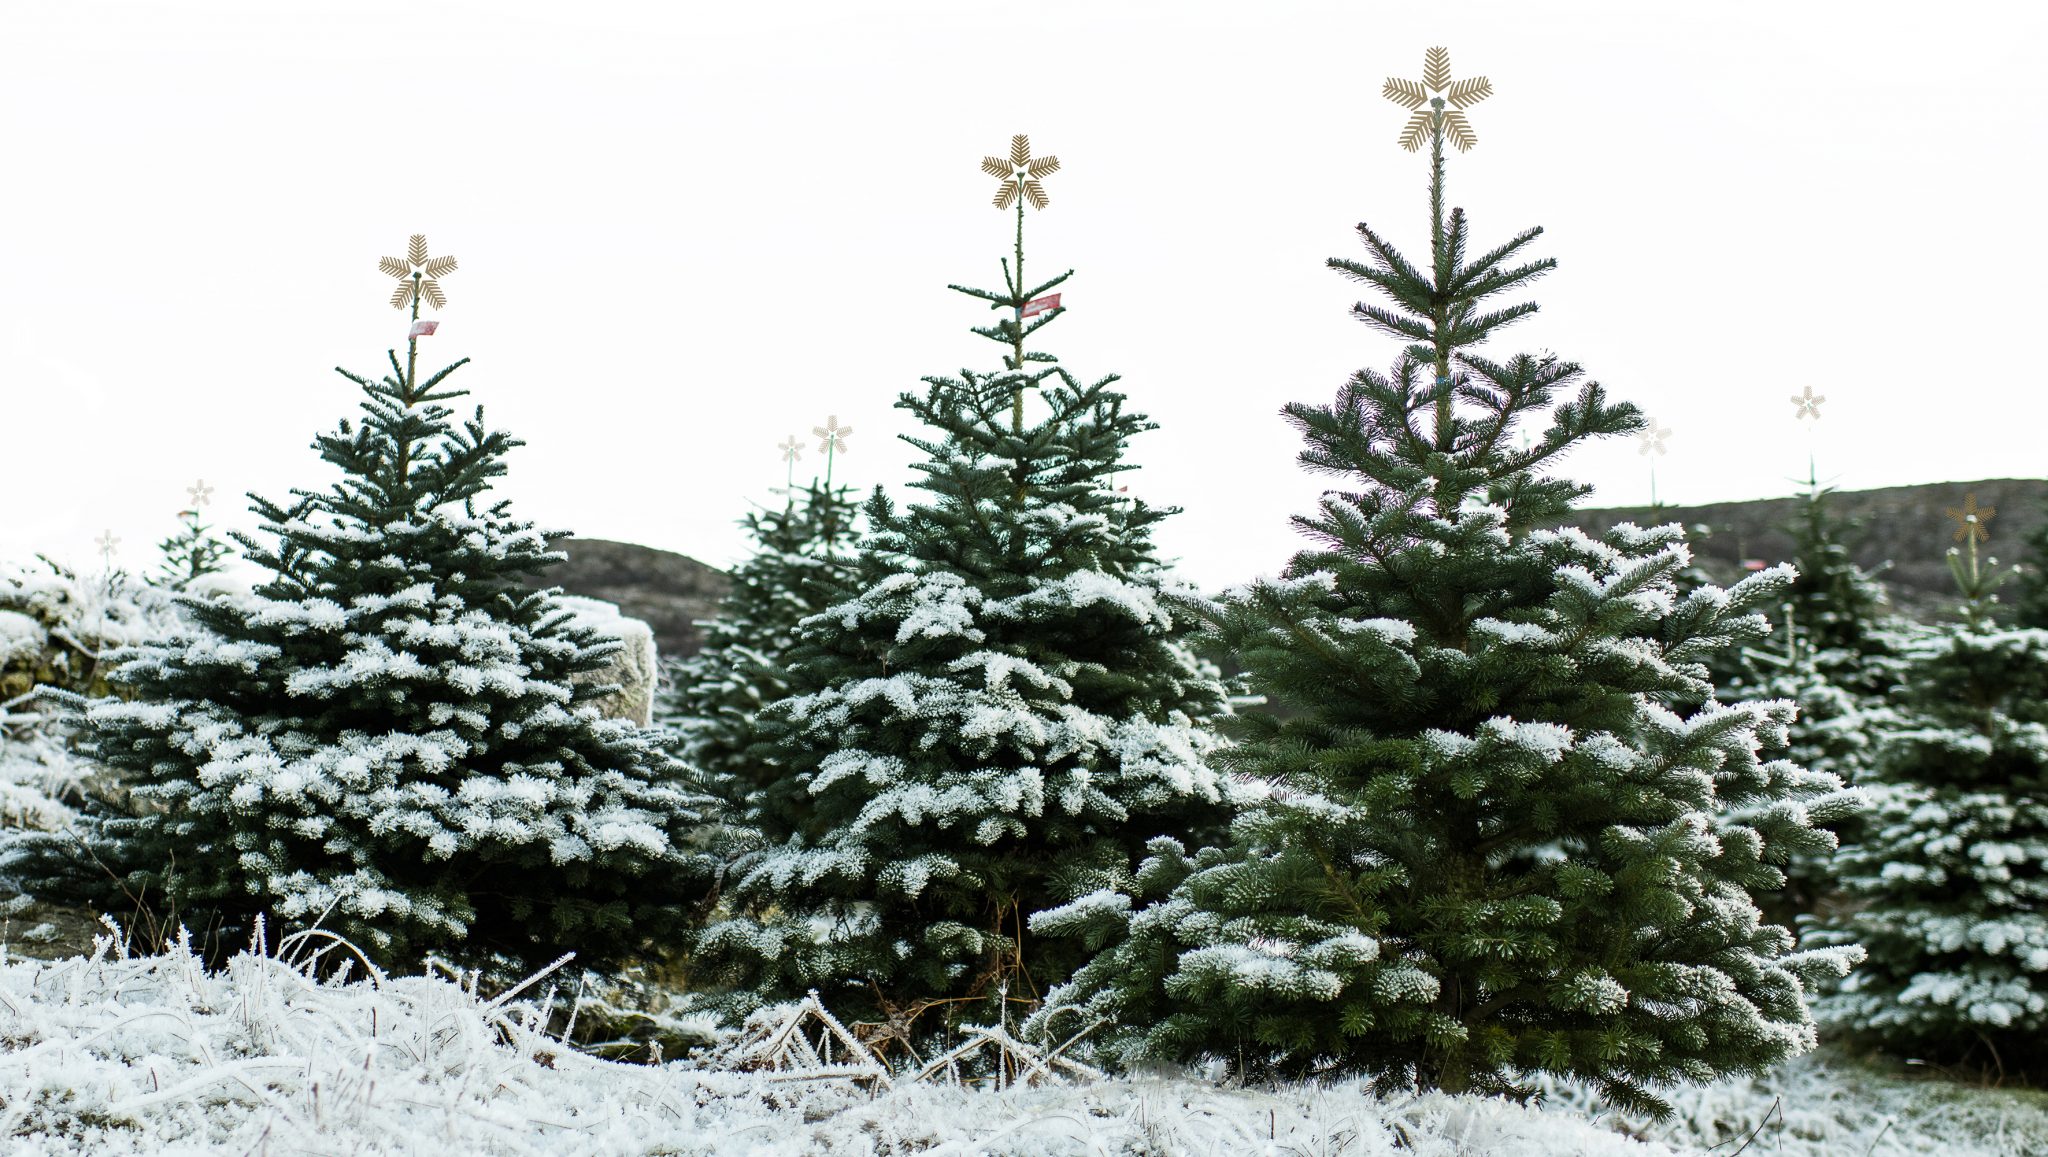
385	739
1488	847
2030	607
192	553
1949	877
712	700
994	724
1835	653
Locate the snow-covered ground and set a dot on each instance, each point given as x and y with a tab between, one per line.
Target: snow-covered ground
110	1054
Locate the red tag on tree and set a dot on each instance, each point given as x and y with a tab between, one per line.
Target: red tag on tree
1040	305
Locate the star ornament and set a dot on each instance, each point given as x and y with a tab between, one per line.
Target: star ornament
1020	174
200	493
107	542
832	436
790	450
418	274
1651	440
1809	404
1970	519
1436	78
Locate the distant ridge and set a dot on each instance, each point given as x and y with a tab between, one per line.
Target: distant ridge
1900	524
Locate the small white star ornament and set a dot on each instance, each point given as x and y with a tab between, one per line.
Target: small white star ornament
832	436
1651	440
1809	404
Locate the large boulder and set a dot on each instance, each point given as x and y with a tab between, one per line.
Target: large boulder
632	666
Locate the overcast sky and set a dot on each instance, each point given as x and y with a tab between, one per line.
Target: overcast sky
687	230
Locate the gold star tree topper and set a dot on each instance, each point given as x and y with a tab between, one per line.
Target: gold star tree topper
418	274
1970	520
1021	173
1436	78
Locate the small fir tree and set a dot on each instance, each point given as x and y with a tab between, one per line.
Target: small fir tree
802	565
1833	619
386	738
1488	849
194	551
2030	606
999	719
1951	872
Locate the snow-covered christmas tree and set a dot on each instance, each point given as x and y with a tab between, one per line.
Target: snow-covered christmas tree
1488	849
1950	875
385	739
999	719
803	563
1835	652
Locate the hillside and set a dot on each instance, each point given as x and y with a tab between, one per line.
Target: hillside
1900	525
667	591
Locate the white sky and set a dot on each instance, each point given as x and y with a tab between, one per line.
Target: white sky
687	230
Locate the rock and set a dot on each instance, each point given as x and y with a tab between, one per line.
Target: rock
632	666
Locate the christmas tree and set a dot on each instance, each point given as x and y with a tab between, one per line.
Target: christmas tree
385	739
803	564
998	719
1952	869
1487	848
194	551
1836	654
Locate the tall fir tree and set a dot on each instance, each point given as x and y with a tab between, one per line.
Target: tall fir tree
1950	876
802	564
385	739
1489	849
1002	715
